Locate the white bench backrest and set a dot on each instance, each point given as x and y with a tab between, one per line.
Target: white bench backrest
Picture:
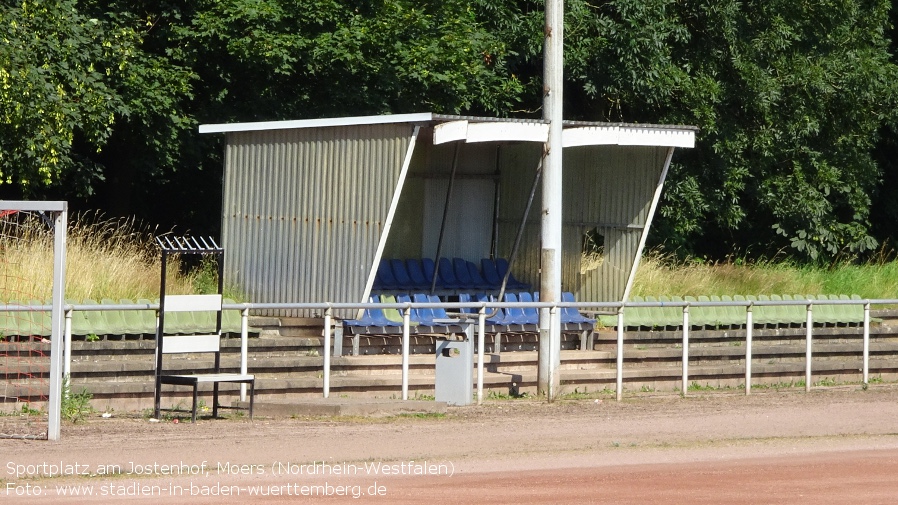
173	344
192	303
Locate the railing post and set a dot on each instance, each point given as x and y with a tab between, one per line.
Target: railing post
808	344
866	343
67	349
481	346
406	322
327	353
338	340
749	330
244	348
685	349
620	353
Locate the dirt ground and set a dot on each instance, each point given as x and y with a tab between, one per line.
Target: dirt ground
830	446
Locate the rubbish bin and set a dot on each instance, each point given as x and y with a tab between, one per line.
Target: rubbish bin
454	370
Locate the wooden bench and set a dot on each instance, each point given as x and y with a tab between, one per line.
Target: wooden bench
194	343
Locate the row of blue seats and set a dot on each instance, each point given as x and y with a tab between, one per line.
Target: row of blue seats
436	320
528	317
456	274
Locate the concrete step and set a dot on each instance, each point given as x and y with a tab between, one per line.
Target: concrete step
666	340
120	373
138	395
138	367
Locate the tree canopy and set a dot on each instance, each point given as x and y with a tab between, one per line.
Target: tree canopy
99	99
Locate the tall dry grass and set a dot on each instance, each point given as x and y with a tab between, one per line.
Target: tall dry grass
118	259
105	258
663	275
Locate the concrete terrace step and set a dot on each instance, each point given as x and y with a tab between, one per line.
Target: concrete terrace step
264	363
119	373
698	338
389	386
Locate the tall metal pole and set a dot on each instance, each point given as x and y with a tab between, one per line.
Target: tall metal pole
60	229
548	380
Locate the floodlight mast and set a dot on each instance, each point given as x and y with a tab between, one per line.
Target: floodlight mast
548	380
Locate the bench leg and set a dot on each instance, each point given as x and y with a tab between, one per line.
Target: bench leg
193	417
252	395
215	400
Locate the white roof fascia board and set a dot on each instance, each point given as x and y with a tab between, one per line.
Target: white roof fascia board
627	136
450	132
656	137
508	132
590	136
316	123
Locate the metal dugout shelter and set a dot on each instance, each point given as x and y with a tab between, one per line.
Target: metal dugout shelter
310	207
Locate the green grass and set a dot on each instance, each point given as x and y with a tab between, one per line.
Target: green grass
75	406
423	415
118	259
660	275
498	395
586	394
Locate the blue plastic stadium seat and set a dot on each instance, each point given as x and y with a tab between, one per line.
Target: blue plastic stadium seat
447	274
531	314
372	318
491	273
477	280
429	268
466	298
571	314
502	268
416	274
403	279
438	312
515	315
462	275
384	277
423	315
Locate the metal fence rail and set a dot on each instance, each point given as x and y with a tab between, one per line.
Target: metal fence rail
478	320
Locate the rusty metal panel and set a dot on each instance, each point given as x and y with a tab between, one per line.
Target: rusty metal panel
303	209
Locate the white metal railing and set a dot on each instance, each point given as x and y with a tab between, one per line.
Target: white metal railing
478	320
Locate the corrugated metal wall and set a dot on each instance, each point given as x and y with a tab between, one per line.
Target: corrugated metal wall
605	187
518	163
611	186
303	209
468	227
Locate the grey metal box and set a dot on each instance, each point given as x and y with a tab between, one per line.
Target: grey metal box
454	369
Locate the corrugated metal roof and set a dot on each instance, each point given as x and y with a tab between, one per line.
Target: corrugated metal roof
424	117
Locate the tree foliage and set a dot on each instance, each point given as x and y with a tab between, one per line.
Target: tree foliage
99	99
789	97
71	80
54	91
283	58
